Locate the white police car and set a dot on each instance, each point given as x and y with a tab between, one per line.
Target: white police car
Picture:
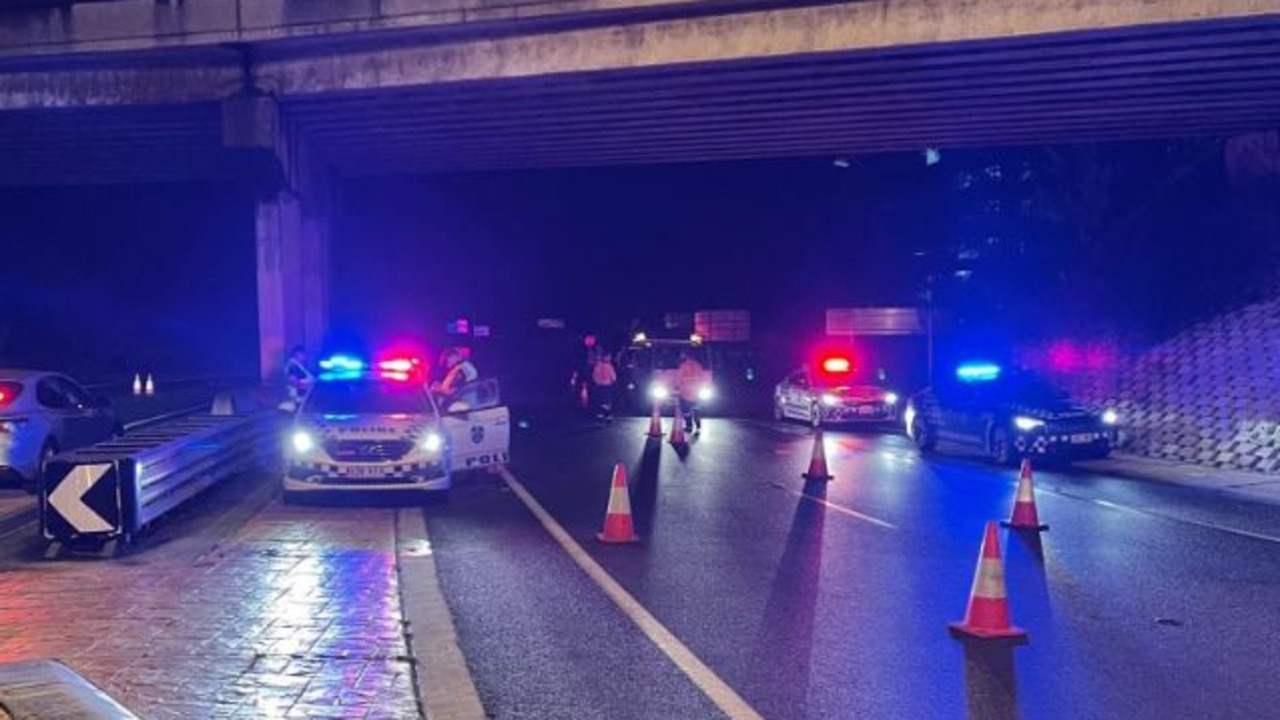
381	430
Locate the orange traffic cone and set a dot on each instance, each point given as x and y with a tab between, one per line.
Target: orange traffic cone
818	463
137	384
677	428
987	616
151	385
1024	515
584	398
617	518
655	421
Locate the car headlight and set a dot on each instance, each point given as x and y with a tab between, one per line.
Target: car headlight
830	400
891	398
706	392
1027	424
658	391
1110	417
432	442
302	442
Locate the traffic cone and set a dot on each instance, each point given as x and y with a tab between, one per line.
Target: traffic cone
617	518
137	384
987	616
818	463
151	385
655	421
677	428
583	397
1024	515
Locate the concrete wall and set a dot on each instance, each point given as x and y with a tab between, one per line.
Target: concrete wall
1206	396
138	24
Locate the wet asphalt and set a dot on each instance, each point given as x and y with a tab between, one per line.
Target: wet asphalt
1143	600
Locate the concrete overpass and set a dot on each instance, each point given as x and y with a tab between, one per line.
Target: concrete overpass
293	91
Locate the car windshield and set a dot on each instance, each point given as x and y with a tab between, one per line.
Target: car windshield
367	397
1031	389
667	357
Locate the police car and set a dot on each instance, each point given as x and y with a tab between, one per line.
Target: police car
378	428
1007	416
833	392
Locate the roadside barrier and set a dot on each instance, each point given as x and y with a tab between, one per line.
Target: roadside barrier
113	490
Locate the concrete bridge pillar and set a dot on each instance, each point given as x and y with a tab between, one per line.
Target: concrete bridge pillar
292	225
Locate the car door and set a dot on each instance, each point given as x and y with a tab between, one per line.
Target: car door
799	395
99	421
955	406
68	426
477	426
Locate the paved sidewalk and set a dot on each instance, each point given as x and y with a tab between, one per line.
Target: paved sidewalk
295	616
1258	487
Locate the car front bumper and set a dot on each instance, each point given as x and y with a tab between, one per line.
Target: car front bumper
306	477
866	413
1074	445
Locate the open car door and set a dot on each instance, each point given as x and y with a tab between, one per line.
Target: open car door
477	425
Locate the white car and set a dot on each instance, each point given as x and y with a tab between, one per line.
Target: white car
382	431
833	394
42	414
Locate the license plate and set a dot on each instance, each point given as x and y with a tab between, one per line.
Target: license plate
868	410
359	471
1082	438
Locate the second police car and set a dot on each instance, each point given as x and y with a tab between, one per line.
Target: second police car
1007	416
379	428
834	392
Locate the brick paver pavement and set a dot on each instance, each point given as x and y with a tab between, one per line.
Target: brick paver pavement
297	615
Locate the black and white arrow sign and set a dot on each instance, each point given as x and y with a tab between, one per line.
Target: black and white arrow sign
68	498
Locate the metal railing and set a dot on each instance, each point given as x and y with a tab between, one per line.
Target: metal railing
113	490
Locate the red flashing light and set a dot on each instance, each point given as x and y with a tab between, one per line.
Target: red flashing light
393	375
836	365
400	364
9	392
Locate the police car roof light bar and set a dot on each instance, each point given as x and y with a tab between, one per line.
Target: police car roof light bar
977	372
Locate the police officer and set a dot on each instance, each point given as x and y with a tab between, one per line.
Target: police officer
459	372
298	377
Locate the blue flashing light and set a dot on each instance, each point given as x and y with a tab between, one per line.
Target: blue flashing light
340	375
342	362
978	372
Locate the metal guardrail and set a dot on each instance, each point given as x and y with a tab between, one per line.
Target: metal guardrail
113	490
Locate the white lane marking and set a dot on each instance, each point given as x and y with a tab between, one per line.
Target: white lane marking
725	697
443	681
1165	516
842	509
68	498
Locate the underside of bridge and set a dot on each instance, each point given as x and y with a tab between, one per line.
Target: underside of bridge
731	80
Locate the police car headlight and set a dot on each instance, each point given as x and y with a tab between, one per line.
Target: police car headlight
1027	424
1110	417
891	398
432	442
659	392
705	393
830	400
302	442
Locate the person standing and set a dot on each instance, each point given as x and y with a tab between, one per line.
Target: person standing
604	378
691	377
298	377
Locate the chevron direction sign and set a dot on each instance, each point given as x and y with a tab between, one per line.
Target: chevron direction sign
81	500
